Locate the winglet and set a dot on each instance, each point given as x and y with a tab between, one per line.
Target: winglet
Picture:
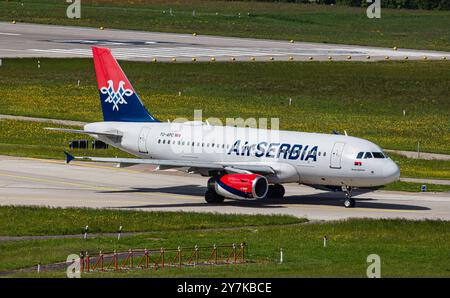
69	157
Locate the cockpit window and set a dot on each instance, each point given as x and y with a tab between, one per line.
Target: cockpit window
368	155
360	155
377	155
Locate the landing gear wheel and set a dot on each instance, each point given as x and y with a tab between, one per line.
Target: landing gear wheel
276	191
349	203
212	197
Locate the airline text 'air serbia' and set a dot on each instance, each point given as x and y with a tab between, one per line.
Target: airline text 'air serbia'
242	163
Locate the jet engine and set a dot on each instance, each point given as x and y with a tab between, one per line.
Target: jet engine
238	186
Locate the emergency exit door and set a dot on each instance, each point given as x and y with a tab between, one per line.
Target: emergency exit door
336	155
142	144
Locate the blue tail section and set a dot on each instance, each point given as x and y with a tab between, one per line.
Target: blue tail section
119	100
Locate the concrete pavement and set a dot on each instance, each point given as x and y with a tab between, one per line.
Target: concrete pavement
25	181
36	40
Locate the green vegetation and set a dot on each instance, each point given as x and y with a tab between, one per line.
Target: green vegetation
25	221
415	187
285	21
366	99
406	248
420	168
410	4
30	139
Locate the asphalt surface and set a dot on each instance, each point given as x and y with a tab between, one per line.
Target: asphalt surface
33	40
25	181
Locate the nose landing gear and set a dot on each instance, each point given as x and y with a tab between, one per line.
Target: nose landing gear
349	201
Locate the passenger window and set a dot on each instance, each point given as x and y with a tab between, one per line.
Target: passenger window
368	155
324	154
168	141
164	141
159	141
378	155
360	155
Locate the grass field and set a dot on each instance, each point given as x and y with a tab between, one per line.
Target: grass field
366	99
318	23
420	168
30	139
406	248
415	187
22	221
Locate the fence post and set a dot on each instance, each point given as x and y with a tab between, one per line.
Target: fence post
179	256
85	232
131	258
281	255
101	260
119	233
88	262
116	263
81	262
196	255
146	258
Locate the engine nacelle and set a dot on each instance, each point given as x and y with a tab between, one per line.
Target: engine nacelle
238	186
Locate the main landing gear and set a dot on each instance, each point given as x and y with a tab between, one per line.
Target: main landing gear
211	196
275	191
349	201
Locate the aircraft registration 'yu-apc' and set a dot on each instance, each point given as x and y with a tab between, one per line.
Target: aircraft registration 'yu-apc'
242	163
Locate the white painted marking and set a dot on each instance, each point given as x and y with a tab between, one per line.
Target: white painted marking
9	34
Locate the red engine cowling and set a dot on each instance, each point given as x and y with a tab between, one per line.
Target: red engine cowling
240	186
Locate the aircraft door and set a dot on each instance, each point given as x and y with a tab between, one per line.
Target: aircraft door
336	155
142	143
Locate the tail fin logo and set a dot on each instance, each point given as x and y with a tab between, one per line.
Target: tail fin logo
116	97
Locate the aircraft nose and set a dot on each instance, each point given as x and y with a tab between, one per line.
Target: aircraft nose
391	172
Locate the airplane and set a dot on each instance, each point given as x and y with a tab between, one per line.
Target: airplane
241	162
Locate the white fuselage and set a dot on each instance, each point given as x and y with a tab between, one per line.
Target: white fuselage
307	158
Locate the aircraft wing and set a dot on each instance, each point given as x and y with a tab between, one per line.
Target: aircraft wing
231	167
108	134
